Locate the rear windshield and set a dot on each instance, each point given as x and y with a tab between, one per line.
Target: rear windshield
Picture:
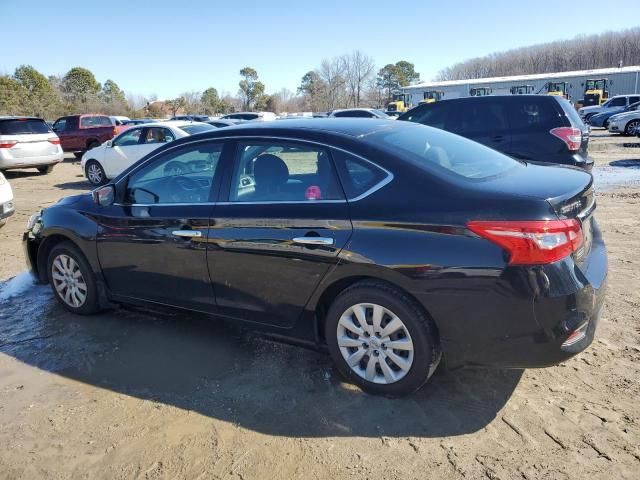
436	149
20	127
95	122
197	128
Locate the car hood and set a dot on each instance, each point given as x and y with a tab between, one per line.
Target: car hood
624	116
593	108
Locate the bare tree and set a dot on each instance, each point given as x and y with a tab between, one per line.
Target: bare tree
359	68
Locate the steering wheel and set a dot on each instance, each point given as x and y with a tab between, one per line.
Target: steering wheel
184	189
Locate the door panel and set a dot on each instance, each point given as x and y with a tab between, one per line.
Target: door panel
142	258
281	230
259	272
152	245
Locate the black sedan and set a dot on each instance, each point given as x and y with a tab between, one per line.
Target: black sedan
390	243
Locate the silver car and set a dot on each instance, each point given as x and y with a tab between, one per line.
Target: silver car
28	142
626	122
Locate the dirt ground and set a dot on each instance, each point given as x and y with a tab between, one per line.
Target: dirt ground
137	394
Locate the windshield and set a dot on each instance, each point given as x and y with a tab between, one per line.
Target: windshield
197	128
22	126
436	149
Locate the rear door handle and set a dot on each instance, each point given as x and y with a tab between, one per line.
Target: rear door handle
187	233
314	240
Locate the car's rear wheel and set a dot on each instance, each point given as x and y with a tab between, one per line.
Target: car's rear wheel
630	129
72	280
45	170
95	173
93	144
381	340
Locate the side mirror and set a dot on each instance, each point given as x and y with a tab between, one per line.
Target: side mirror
104	196
109	144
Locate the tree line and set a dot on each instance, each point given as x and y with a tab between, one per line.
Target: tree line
344	81
610	49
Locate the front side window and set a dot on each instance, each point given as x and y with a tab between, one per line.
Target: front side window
434	115
128	138
158	135
95	121
282	171
618	102
184	175
60	125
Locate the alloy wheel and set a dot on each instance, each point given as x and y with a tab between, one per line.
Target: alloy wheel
631	126
375	343
68	281
94	172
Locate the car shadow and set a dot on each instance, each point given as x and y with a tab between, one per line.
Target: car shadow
224	372
26	173
77	185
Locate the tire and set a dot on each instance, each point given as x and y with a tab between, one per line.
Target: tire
631	127
64	262
78	155
95	173
396	371
92	144
46	170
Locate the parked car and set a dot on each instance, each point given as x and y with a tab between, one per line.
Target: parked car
626	122
139	121
359	113
191	118
28	142
79	133
251	116
112	157
389	242
221	123
539	128
602	119
614	104
7	205
120	123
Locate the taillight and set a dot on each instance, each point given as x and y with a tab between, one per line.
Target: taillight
55	141
571	136
115	131
7	143
532	242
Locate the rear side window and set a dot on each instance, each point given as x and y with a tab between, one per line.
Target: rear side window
358	176
436	115
97	121
479	117
532	113
435	149
633	100
21	127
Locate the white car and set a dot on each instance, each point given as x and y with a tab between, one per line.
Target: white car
107	161
7	205
360	113
626	122
251	116
28	142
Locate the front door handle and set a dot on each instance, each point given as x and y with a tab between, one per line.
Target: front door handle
187	233
314	240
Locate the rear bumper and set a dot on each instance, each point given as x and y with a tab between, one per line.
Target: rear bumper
30	162
526	319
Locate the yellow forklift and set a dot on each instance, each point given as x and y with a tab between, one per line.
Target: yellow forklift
431	96
558	89
596	91
400	102
480	91
522	89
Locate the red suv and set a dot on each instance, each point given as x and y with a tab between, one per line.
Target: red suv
79	133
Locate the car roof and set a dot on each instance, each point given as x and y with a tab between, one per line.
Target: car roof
16	117
168	123
352	127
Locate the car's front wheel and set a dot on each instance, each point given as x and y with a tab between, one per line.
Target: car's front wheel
630	129
381	340
72	280
95	173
